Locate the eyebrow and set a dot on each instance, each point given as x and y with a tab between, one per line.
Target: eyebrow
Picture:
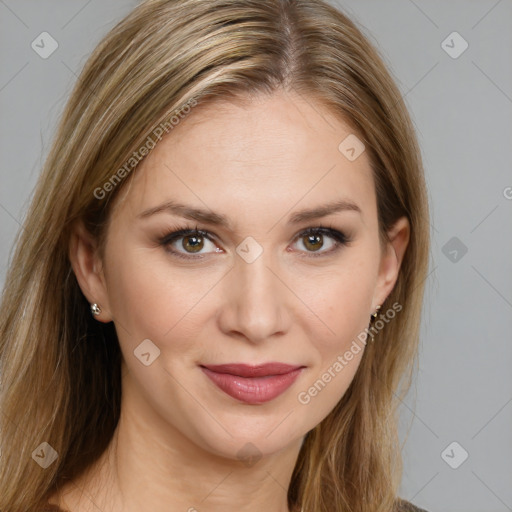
210	217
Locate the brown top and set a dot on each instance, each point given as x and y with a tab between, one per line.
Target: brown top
406	506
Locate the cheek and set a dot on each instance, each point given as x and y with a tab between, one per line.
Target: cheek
151	299
343	301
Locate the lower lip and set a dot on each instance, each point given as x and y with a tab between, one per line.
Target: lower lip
253	390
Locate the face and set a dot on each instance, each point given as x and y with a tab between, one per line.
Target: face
285	267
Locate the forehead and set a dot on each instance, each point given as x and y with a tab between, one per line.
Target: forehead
259	155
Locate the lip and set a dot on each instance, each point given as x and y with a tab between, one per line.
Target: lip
253	384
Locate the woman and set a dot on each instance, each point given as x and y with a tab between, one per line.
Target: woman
216	295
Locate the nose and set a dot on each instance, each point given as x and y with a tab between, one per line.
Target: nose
253	302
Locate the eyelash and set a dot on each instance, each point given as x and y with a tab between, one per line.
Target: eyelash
178	232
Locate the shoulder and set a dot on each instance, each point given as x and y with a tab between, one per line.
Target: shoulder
406	506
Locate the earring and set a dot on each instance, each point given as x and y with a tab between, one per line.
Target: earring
95	309
373	316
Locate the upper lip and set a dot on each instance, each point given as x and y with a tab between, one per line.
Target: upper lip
247	370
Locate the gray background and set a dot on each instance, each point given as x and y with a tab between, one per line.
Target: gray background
462	108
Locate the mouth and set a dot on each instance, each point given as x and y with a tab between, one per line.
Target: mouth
253	384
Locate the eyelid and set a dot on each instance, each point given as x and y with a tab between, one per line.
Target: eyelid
177	233
340	238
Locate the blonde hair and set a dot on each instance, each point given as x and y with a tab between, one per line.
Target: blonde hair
60	369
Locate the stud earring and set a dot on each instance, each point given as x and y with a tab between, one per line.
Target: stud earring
95	309
373	316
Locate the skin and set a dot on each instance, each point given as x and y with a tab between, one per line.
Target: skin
178	440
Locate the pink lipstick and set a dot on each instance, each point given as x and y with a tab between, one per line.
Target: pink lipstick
253	384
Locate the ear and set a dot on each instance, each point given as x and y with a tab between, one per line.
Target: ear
391	259
88	269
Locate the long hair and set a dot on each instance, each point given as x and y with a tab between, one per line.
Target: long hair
60	370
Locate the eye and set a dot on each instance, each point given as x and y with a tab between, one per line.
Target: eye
314	240
189	243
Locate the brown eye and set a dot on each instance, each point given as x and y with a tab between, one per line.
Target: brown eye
192	243
321	241
189	243
313	242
